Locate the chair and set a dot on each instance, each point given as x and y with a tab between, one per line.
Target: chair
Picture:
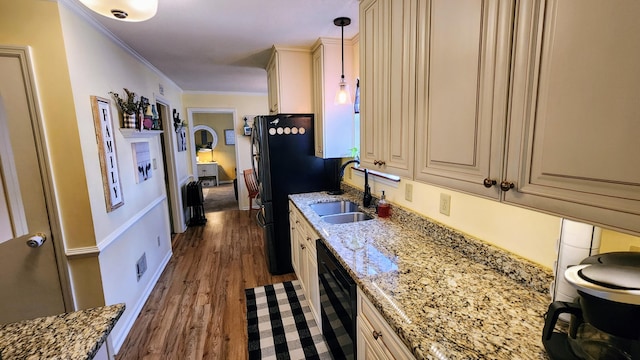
252	187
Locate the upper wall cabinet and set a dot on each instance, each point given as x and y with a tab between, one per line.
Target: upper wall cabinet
388	33
573	143
334	123
289	81
533	102
463	75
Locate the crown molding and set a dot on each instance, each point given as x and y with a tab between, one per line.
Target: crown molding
77	8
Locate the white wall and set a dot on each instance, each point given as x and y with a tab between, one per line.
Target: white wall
98	65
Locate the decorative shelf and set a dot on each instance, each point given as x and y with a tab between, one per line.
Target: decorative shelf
135	133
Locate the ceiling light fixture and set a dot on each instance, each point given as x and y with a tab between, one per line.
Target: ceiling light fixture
125	10
344	95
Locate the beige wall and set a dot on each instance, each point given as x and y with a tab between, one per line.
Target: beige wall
223	154
243	105
37	24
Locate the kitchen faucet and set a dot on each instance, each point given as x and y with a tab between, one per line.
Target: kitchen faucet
339	191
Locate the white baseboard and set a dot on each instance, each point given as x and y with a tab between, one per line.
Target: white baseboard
117	342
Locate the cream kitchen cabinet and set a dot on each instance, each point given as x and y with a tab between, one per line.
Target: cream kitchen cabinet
303	257
574	124
289	81
462	92
388	35
334	124
376	339
539	108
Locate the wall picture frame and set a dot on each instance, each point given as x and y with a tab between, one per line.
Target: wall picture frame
142	161
181	138
229	137
105	138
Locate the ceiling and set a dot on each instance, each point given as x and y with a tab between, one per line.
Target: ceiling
224	45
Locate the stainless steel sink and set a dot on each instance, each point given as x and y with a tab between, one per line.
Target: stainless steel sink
334	207
346	217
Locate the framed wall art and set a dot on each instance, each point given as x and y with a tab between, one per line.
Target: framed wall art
181	136
229	137
142	161
105	138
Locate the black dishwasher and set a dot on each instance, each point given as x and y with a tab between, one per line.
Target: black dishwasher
338	303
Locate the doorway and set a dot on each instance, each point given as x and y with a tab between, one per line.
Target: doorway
214	155
167	140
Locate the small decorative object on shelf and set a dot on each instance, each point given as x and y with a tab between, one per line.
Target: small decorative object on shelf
145	113
129	107
155	117
246	128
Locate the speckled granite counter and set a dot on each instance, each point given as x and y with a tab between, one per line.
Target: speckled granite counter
70	336
437	288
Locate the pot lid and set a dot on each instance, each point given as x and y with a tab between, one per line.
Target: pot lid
612	276
626	258
610	282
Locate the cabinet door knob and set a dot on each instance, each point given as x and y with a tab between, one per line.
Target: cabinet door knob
489	182
506	186
378	162
376	335
302	246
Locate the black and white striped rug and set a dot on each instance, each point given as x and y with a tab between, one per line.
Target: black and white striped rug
280	324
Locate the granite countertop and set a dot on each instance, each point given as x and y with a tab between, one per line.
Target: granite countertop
440	290
69	336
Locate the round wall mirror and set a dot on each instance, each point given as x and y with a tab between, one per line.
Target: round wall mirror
205	138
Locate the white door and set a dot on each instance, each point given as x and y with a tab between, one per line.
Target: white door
29	280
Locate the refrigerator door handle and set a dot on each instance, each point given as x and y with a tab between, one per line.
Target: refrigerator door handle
260	218
255	151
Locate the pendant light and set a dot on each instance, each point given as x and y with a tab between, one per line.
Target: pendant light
124	10
343	96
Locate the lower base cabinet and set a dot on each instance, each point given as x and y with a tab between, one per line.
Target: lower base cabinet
376	339
303	257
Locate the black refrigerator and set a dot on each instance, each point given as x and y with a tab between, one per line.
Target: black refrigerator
284	163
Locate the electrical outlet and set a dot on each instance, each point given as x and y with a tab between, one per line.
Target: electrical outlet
155	164
445	204
141	266
408	192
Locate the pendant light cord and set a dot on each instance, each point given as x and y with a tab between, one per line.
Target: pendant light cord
342	27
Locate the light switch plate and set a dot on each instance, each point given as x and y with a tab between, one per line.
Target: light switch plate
445	204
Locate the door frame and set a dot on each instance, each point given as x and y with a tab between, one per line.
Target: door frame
23	54
174	197
233	113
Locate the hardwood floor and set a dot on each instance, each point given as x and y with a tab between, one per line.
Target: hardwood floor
197	309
